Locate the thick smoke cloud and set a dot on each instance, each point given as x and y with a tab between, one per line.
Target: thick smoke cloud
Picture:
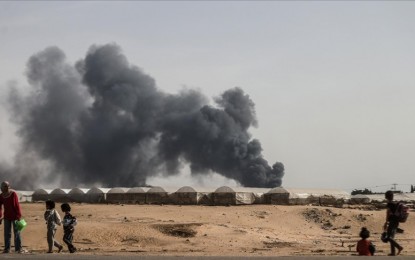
104	121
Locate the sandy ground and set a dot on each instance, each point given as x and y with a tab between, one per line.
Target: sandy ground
254	230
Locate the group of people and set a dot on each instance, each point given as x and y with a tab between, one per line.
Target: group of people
53	220
9	203
366	248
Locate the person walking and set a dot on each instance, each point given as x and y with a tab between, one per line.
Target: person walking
391	224
12	212
53	220
69	222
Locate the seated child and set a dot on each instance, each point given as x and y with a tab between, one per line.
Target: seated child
364	246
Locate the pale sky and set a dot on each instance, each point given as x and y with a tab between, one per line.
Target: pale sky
333	82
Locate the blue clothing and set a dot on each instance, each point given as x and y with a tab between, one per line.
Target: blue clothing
8	224
69	222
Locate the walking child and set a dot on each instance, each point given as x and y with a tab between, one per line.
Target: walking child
69	223
365	246
53	220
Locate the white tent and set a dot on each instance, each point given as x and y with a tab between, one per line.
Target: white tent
360	199
191	196
97	195
410	197
204	196
41	195
184	196
157	195
404	197
136	195
380	198
293	196
24	196
78	195
117	195
377	198
59	195
257	193
236	196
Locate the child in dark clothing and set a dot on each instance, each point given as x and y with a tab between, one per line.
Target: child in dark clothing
52	221
69	223
391	224
364	246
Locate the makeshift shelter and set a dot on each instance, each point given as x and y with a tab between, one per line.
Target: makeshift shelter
237	196
205	197
78	195
403	197
258	193
97	195
157	195
377	198
191	196
24	196
410	197
59	195
136	195
360	199
293	196
184	196
41	195
117	195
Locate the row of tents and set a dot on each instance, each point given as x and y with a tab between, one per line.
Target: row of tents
202	196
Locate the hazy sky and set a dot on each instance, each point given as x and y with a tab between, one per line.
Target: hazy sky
333	82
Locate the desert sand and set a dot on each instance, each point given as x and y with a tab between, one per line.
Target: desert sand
250	230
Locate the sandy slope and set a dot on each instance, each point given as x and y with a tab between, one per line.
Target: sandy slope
208	230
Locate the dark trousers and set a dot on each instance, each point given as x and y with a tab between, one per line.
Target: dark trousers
8	225
67	238
393	225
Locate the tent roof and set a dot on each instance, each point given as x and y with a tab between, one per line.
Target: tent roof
96	190
224	189
118	190
251	189
185	189
138	190
42	191
170	189
410	196
376	197
315	192
156	189
278	190
60	191
78	191
360	196
381	197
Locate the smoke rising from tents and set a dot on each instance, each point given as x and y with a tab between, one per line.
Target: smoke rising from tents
104	121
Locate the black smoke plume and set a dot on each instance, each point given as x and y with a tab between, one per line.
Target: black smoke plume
104	121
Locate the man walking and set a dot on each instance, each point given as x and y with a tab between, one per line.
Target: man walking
10	202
